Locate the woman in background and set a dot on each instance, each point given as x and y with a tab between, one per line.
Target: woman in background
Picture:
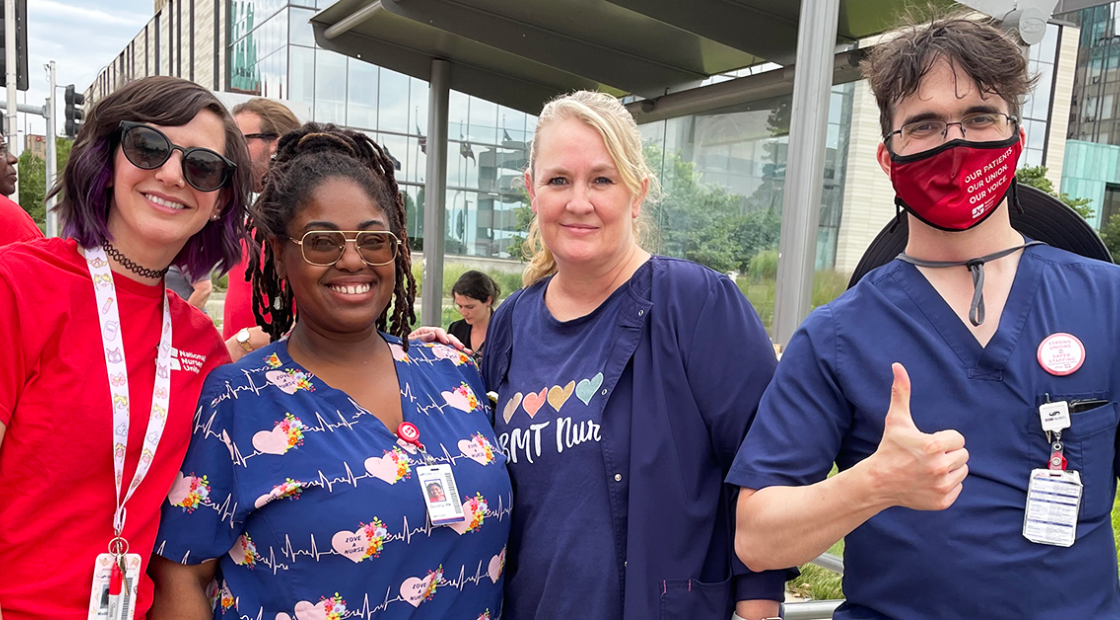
475	294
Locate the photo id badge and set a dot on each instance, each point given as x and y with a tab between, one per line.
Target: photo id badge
1053	500
441	494
103	603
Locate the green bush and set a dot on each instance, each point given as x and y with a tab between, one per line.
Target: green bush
764	266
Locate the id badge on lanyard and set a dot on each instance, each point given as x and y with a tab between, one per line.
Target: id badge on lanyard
1053	493
437	482
116	574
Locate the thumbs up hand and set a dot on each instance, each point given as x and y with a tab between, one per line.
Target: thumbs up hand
914	469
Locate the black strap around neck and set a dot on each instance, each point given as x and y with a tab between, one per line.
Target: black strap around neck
976	268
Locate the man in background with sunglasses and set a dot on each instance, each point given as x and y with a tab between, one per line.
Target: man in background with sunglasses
1005	344
15	223
262	122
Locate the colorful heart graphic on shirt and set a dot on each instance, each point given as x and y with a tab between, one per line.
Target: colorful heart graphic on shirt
415	590
474	513
497	563
180	489
461	398
478	449
399	353
188	492
283	616
364	543
287	383
511	407
390	467
326	609
244	552
274	441
586	388
557	395
534	402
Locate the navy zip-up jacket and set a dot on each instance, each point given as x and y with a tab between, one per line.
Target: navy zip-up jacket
688	367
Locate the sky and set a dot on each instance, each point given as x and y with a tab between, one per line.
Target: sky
82	37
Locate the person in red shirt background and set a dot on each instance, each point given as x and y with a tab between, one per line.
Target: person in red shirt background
15	224
262	122
103	369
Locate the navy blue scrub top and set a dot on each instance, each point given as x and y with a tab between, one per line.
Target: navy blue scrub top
550	426
830	396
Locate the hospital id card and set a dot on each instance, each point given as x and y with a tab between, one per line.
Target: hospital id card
106	606
441	494
1053	503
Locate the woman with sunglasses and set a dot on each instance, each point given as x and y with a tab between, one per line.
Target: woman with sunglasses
102	368
309	479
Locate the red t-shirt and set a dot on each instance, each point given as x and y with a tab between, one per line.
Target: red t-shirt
15	226
56	463
238	310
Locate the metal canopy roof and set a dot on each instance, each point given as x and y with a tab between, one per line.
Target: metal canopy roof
520	53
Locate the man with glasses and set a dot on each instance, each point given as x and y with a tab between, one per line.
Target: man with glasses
262	122
15	224
1006	345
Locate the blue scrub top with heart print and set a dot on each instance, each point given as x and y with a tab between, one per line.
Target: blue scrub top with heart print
313	506
829	399
549	424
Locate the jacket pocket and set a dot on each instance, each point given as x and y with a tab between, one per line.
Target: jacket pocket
689	599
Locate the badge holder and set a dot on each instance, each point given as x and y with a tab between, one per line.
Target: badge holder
437	482
1053	494
116	578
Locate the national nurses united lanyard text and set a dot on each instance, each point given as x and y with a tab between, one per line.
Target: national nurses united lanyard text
109	317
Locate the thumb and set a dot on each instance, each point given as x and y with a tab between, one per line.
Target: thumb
900	397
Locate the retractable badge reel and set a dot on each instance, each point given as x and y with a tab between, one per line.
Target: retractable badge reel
1054	493
437	482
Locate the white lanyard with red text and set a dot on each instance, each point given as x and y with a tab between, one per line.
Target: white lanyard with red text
116	574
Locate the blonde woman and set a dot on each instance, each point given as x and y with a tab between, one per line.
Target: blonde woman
625	384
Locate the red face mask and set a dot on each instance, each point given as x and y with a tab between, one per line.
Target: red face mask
958	184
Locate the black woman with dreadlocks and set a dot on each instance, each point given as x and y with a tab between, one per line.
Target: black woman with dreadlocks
306	480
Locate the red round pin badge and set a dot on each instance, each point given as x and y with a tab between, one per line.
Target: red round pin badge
1061	354
408	432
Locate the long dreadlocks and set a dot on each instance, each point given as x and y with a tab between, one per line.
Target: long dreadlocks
305	158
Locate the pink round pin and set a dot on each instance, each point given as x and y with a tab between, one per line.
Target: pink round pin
1061	354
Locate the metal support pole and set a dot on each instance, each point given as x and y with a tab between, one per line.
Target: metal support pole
10	60
52	156
435	209
801	204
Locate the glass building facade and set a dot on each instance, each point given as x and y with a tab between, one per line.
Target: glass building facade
1094	113
737	155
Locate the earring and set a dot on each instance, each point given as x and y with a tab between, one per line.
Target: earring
276	303
215	217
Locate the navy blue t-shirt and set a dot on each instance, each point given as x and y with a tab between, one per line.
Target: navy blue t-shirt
830	396
548	423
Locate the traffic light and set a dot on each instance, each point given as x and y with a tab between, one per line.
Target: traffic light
21	46
74	113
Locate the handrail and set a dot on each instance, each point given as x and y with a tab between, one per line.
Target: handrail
811	610
831	562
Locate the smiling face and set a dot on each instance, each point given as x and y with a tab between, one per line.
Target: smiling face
349	296
473	310
155	211
585	211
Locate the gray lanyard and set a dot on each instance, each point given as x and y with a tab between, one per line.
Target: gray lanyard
976	267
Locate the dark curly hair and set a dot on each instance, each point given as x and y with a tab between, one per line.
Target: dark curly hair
305	158
991	57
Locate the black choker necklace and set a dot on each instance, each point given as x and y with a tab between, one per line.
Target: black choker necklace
116	255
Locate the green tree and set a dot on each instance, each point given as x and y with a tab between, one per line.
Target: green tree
1110	233
33	179
1036	178
705	223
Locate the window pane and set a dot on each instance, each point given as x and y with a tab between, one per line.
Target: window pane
362	97
301	80
418	98
301	31
397	148
483	126
330	87
393	97
458	106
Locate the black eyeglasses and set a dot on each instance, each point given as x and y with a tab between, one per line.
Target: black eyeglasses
263	136
930	133
324	248
148	148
